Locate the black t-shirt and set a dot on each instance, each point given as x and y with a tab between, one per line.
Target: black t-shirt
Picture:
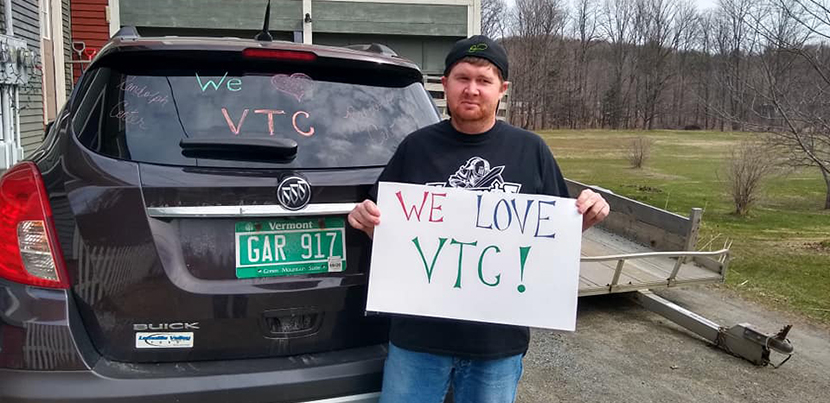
504	158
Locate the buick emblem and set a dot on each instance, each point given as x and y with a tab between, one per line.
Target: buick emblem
294	193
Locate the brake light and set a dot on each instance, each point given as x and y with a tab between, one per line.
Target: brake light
277	54
29	251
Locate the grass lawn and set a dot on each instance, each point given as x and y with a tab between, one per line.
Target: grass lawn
780	252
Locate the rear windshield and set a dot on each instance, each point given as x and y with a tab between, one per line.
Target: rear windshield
338	117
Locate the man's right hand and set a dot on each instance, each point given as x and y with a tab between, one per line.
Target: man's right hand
365	216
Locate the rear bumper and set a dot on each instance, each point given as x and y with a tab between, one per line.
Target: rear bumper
352	381
42	360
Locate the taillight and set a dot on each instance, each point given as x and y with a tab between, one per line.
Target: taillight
29	251
278	54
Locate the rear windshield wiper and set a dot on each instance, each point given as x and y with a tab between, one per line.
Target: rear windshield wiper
236	149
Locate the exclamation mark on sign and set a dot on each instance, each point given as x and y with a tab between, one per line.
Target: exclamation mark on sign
523	251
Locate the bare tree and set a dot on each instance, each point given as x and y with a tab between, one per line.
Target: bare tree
493	14
704	67
658	32
755	65
746	169
794	81
735	42
584	30
639	149
688	26
616	25
535	48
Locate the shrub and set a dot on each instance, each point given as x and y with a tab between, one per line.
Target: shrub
639	150
746	170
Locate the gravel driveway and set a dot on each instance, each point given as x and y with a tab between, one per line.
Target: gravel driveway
623	353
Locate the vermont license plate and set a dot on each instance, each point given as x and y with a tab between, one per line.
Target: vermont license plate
290	246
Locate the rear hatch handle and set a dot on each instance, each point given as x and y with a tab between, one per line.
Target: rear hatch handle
258	149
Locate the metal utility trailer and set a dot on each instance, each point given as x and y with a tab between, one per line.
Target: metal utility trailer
639	248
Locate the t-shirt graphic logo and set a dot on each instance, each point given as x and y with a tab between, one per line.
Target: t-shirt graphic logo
476	174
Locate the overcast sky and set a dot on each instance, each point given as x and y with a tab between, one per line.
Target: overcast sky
704	4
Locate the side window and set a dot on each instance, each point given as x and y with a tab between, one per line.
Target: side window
89	99
93	126
78	94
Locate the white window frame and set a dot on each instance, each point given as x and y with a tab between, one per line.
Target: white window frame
45	19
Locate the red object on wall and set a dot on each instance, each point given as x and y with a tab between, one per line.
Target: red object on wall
90	31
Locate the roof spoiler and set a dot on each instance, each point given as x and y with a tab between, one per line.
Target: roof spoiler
127	32
374	48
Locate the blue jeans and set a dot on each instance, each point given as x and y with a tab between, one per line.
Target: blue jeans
413	377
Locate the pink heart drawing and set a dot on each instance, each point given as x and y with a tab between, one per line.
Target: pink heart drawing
294	85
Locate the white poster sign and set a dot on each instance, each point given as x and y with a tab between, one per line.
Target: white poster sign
492	257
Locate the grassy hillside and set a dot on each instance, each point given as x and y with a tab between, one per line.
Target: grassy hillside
781	251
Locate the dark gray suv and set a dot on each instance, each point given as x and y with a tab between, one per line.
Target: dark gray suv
181	236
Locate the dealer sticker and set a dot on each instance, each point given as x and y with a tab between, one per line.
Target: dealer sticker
164	340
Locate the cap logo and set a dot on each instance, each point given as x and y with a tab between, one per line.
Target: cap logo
477	47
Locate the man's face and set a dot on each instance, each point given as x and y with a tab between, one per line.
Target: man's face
473	92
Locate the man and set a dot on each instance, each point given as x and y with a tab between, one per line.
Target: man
472	150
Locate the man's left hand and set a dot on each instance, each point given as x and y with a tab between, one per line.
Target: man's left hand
592	207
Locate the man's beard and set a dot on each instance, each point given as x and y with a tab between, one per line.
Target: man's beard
483	112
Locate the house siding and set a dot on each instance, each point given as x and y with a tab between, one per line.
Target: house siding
427	52
329	16
88	25
211	14
26	24
418	31
390	19
66	25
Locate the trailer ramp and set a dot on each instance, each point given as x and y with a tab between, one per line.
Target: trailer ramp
639	248
613	264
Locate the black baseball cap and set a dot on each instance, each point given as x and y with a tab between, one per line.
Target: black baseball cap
478	46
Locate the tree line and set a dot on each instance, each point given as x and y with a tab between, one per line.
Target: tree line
746	65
